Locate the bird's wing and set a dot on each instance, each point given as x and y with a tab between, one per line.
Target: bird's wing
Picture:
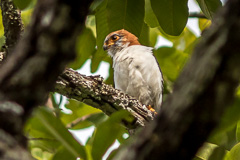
146	76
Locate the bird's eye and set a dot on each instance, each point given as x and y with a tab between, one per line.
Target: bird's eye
115	37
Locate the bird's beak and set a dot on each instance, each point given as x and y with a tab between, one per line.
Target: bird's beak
105	47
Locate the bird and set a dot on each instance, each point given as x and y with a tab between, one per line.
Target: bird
136	70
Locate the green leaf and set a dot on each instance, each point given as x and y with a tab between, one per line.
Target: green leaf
171	61
38	153
85	47
234	153
112	154
79	111
203	23
144	35
218	154
150	17
185	40
153	36
97	118
91	24
22	4
107	133
238	132
26	16
56	129
63	154
230	117
172	15
112	15
209	7
197	158
39	137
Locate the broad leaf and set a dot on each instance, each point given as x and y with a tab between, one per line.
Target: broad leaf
54	128
63	154
150	17
218	154
234	153
184	41
153	36
22	4
107	133
38	153
209	7
230	117
172	15
80	114
171	61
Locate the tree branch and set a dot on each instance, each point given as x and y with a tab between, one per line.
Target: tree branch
197	15
201	94
12	22
92	91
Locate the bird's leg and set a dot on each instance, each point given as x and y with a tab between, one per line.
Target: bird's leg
149	107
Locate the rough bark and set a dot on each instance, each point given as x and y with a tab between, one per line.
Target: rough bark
30	72
12	23
92	91
202	92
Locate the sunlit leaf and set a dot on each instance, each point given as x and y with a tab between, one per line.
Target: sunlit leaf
89	149
234	153
183	41
52	126
172	15
97	118
218	154
91	24
26	16
107	133
38	153
2	37
80	115
197	158
238	131
153	36
209	7
38	136
224	138
203	23
171	61
150	17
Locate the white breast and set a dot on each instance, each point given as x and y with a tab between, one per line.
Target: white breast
136	72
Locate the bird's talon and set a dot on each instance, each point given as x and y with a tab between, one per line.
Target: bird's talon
149	107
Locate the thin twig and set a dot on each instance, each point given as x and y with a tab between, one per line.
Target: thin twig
197	15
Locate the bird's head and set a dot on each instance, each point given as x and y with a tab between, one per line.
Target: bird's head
116	41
